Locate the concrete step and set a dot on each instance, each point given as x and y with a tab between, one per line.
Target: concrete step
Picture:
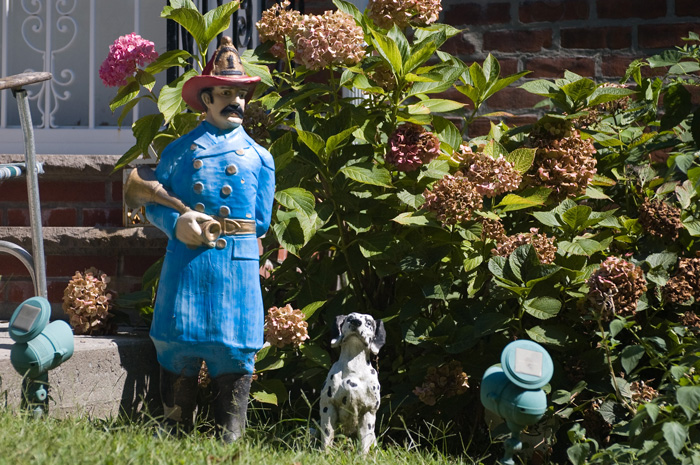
106	376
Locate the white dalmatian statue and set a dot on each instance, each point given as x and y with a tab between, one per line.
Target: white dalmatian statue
350	396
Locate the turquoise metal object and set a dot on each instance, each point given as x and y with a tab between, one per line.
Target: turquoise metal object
512	389
39	346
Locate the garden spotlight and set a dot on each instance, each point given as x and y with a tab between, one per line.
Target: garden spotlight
512	389
39	347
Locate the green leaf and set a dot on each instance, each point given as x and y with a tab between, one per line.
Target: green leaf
677	103
269	391
130	155
190	19
217	20
512	202
435	105
522	258
261	71
170	101
420	53
576	217
685	193
310	309
547	219
411	219
578	453
290	234
146	79
168	60
401	42
543	307
607	94
447	132
494	150
297	198
125	94
541	87
688	398
693	226
553	334
145	129
316	355
675	435
653	411
497	266
368	173
412	200
630	357
388	49
337	140
579	90
314	142
685	67
521	159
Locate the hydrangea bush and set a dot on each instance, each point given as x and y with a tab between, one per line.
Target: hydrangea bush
579	231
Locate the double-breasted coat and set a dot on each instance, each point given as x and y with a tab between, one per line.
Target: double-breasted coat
209	299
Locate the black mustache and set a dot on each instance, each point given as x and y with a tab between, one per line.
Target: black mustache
232	109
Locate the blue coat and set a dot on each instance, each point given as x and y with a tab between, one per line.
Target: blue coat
212	296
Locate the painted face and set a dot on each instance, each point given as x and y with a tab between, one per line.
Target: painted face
225	106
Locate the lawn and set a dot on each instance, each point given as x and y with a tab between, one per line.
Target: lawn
78	441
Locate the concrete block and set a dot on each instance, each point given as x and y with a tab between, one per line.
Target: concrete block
107	376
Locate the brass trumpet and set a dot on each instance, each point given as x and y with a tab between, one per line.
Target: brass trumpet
142	188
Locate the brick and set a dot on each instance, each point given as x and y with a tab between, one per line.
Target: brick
68	265
13	191
59	217
72	191
11	267
17	217
554	67
553	10
603	37
520	120
458	46
117	191
102	217
512	98
687	8
665	35
615	66
621	9
20	290
136	265
479	127
518	41
476	14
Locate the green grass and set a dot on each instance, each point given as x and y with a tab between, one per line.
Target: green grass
75	441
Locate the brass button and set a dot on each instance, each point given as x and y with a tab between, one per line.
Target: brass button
197	164
240	152
221	243
198	187
199	207
193	147
226	190
224	211
248	215
242	181
231	169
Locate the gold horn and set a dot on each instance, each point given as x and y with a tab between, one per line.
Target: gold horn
142	188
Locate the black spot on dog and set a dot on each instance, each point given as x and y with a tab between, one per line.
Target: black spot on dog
373	371
329	392
345	400
325	409
327	430
351	384
377	405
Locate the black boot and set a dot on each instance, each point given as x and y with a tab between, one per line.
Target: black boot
179	396
230	404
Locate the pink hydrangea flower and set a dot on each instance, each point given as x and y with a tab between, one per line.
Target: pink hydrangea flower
126	54
411	146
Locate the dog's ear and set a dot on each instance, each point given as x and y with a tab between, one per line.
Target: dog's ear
336	333
379	337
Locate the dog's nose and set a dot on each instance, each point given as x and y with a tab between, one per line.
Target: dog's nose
354	322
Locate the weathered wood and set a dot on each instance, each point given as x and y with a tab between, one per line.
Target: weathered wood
17	81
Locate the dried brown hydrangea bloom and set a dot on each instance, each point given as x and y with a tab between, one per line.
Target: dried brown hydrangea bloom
411	146
660	219
285	326
564	162
453	199
642	393
448	380
691	321
614	106
491	176
386	13
257	122
492	229
615	288
86	302
382	76
544	246
684	286
276	24
331	39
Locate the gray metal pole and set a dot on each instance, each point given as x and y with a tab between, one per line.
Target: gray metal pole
33	190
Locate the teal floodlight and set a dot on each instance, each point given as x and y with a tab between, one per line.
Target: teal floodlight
39	347
512	389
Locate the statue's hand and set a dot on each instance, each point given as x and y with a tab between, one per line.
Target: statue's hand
189	231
